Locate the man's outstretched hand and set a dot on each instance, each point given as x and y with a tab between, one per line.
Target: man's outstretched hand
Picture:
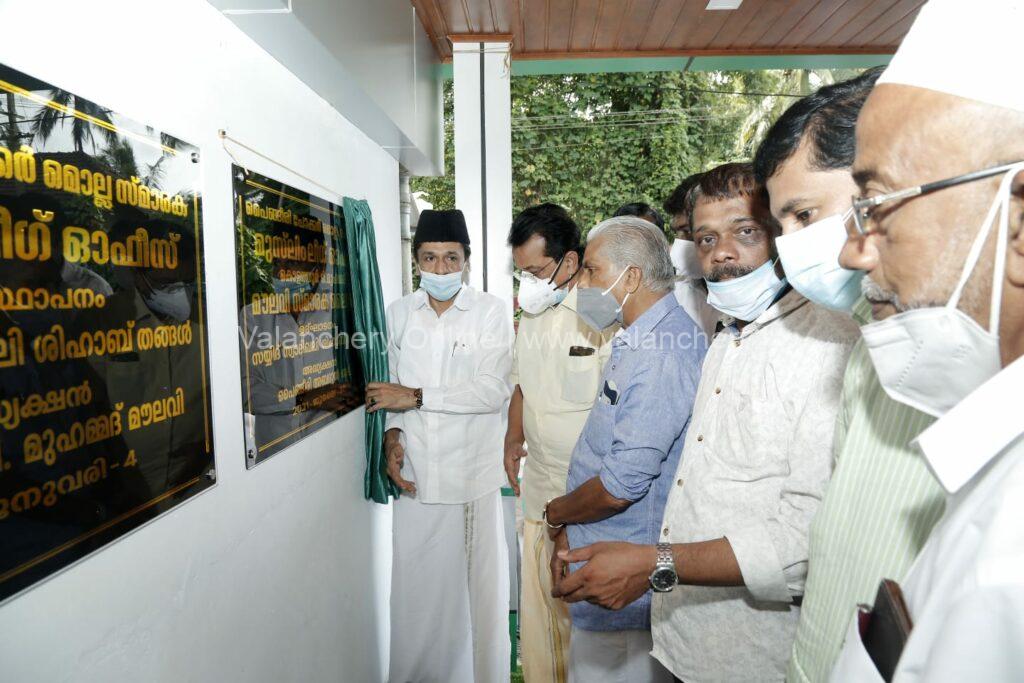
615	574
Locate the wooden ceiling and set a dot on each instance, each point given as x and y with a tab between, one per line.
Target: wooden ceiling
559	29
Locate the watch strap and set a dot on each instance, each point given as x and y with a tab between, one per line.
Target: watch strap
665	557
544	516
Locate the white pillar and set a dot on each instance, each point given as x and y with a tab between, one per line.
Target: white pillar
483	158
405	215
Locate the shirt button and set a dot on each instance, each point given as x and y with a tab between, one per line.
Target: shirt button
679	482
736	342
664	532
700	437
718	390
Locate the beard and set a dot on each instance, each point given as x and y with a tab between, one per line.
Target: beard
729	272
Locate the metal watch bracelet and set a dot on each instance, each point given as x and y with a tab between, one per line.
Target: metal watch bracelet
544	516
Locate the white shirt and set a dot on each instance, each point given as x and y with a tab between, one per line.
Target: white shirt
694	301
965	592
757	458
461	360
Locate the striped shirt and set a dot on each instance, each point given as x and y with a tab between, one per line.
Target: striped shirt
878	510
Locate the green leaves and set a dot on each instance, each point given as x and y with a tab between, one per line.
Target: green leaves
593	142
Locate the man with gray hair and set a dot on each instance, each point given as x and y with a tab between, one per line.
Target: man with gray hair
622	466
729	560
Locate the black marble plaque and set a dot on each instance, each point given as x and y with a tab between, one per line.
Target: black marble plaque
299	348
104	381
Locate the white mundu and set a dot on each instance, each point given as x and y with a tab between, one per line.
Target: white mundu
450	581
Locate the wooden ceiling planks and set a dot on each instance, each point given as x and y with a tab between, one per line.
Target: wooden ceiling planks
616	28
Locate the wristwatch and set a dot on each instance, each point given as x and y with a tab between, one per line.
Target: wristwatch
544	516
663	579
418	394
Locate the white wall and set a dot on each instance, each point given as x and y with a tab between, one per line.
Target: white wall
371	59
275	574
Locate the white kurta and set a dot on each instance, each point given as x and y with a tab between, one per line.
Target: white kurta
965	592
450	578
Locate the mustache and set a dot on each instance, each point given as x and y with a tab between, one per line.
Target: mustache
876	294
728	272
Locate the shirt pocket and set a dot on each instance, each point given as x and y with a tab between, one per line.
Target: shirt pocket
581	377
462	361
598	430
753	431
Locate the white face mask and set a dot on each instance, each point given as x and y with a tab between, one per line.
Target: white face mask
536	295
810	258
932	358
746	298
684	258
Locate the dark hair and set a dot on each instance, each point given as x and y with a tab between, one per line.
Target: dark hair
827	118
641	210
677	201
550	221
729	181
417	243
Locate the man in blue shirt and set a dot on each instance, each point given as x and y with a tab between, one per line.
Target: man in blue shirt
622	467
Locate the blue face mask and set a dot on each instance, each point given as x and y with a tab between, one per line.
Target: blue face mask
745	298
810	258
441	287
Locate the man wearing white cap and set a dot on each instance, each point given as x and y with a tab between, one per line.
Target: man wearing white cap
940	232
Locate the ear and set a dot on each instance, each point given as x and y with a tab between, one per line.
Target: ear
571	262
1015	254
631	282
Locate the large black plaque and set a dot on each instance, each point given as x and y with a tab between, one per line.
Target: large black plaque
300	366
104	392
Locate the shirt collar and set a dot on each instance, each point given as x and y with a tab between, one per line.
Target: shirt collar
976	430
642	326
570	299
789	302
463	300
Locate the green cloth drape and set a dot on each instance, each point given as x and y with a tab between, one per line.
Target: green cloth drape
370	323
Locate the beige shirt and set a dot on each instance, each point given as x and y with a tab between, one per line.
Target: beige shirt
558	391
757	457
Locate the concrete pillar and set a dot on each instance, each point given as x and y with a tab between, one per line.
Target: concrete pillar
405	214
483	156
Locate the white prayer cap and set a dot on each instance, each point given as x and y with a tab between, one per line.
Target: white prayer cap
968	48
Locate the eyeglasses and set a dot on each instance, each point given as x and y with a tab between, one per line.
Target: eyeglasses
520	274
862	208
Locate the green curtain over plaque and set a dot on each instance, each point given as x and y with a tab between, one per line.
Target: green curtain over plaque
370	323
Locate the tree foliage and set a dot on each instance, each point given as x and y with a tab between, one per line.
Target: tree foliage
593	142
